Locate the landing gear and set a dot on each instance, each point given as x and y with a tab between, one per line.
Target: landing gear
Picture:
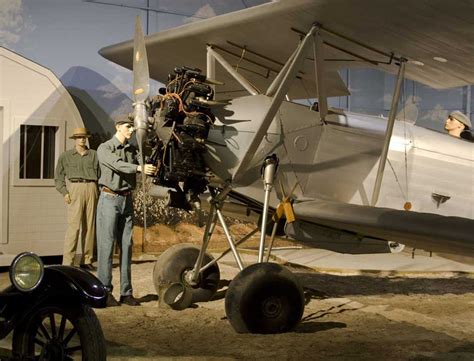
264	298
60	333
175	266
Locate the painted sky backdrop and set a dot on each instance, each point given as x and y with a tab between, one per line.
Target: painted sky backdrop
61	34
65	36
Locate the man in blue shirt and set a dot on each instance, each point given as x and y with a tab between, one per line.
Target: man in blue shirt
118	165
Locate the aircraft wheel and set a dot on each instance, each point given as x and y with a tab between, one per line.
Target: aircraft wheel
264	298
172	265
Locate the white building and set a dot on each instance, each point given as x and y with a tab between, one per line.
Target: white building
37	115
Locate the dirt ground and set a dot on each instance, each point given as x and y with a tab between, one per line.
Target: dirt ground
365	317
346	318
160	237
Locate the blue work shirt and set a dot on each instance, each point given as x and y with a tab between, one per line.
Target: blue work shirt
118	165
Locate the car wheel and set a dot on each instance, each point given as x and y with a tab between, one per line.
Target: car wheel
57	332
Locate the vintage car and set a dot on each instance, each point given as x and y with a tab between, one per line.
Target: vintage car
49	311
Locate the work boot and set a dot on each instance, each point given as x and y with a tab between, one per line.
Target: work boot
111	301
129	300
88	267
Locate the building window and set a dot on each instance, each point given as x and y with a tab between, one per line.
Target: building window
37	151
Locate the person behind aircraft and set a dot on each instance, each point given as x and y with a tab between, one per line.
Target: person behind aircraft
81	167
118	165
457	124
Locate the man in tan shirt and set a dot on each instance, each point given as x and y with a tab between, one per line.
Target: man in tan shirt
81	167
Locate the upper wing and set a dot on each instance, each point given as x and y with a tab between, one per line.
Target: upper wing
426	231
259	40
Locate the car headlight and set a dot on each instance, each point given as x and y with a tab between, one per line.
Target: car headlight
26	271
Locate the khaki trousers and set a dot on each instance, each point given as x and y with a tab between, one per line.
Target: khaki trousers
81	216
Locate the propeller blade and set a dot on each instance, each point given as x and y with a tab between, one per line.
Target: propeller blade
141	86
141	90
141	76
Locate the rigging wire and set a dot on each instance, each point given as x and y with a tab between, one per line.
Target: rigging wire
242	55
405	143
404	189
397	180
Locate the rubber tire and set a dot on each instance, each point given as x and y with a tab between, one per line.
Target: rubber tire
171	265
83	319
264	284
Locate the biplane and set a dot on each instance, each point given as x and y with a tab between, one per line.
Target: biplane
235	137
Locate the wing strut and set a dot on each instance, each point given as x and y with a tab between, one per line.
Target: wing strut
211	68
211	53
295	63
388	132
276	82
319	71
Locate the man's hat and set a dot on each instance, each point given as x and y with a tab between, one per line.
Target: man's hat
123	119
461	117
80	132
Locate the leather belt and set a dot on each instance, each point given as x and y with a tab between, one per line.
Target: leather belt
117	193
80	180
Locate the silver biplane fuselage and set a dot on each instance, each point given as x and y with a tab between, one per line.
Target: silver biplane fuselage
337	160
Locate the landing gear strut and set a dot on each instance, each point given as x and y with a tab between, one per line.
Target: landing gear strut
265	297
262	298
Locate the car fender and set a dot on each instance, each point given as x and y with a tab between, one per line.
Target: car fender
67	282
60	285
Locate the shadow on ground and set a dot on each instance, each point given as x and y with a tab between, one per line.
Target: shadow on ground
318	285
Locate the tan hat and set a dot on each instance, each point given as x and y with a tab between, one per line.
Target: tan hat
79	132
461	117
